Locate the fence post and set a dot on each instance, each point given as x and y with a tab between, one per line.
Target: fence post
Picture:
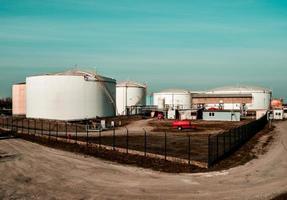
87	137
240	135
234	138
66	130
35	126
114	137
57	131
230	135
22	126
209	155
127	140
28	127
11	126
189	150
17	125
165	146
100	138
217	149
49	131
42	127
76	133
224	143
145	142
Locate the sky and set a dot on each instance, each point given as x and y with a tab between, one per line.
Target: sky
191	44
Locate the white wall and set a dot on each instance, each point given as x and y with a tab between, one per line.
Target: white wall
177	100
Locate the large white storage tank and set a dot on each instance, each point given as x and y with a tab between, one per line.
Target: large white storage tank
172	99
261	97
130	93
71	95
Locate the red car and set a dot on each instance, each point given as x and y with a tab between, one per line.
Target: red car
183	124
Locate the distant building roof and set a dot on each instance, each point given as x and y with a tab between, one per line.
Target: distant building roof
222	96
239	88
222	110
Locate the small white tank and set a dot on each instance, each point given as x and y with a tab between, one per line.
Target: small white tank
173	99
128	94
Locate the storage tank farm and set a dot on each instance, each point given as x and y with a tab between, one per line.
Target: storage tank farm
261	97
70	95
172	99
130	94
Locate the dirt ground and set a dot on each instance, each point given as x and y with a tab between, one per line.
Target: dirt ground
32	171
202	127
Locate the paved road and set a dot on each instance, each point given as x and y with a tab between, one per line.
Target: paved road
31	171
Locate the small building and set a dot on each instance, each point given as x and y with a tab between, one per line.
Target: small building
278	114
221	115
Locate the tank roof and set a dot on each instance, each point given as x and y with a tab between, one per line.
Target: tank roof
84	73
130	84
240	88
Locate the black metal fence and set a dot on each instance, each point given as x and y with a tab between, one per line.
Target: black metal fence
224	144
196	149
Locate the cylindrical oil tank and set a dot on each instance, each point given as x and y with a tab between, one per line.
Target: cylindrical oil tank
173	99
71	95
19	99
261	97
130	95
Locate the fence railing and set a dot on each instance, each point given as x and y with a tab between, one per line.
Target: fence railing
200	150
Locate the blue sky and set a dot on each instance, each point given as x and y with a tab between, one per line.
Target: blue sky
166	43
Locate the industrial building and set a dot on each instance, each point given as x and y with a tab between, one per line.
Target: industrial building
261	97
172	99
221	101
19	99
250	100
130	97
70	95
